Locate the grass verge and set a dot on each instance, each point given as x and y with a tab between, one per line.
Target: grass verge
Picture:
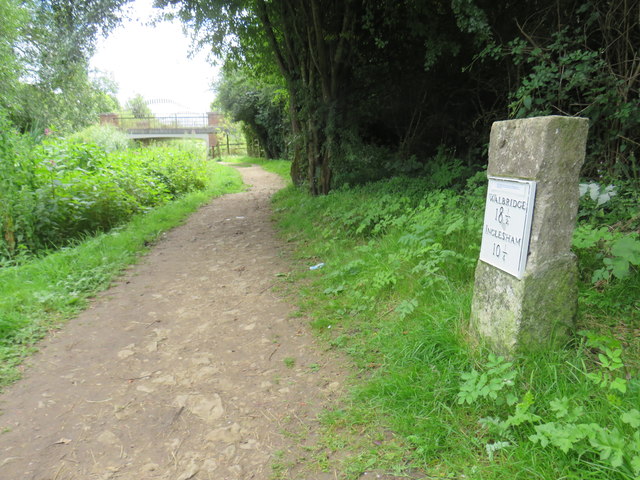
39	295
280	167
394	293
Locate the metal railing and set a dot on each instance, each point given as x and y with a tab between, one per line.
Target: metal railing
174	121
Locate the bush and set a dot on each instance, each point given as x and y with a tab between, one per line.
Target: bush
17	186
361	163
108	137
60	190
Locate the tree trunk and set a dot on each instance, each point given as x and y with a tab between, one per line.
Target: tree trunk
310	50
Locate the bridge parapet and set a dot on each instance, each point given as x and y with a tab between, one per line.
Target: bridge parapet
204	126
176	120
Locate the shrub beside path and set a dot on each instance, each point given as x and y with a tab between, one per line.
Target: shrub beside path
190	367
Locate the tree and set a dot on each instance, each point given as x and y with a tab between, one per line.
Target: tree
138	107
261	108
332	56
308	42
66	109
582	58
377	88
13	21
54	48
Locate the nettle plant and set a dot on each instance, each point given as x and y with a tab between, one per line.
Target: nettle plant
611	441
616	254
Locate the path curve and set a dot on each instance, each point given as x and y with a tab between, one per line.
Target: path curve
178	372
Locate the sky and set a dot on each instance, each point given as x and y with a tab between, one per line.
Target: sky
153	61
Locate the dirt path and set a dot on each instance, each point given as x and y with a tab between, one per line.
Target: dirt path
182	370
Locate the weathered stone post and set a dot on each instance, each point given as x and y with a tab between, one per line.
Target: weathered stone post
525	293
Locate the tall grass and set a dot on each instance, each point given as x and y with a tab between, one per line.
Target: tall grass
107	137
394	293
55	191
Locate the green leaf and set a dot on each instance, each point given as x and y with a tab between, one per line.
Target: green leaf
544	441
627	248
543	433
522	413
560	407
472	375
619	384
611	445
527	102
595	377
614	354
632	417
455	226
406	307
619	267
482	381
493	361
491	448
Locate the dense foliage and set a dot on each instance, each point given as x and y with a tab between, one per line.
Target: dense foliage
107	137
55	191
391	285
374	89
45	47
260	108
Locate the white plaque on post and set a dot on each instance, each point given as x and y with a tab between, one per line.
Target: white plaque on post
507	224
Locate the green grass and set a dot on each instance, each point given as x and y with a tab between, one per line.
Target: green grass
281	167
395	294
39	295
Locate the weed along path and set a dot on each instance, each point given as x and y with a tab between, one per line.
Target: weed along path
190	367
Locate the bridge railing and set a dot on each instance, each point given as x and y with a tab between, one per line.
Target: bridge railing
173	121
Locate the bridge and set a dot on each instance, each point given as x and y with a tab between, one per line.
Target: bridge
204	126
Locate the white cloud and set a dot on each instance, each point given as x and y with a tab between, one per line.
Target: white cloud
154	62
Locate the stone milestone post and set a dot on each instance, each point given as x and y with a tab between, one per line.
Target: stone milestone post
525	293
